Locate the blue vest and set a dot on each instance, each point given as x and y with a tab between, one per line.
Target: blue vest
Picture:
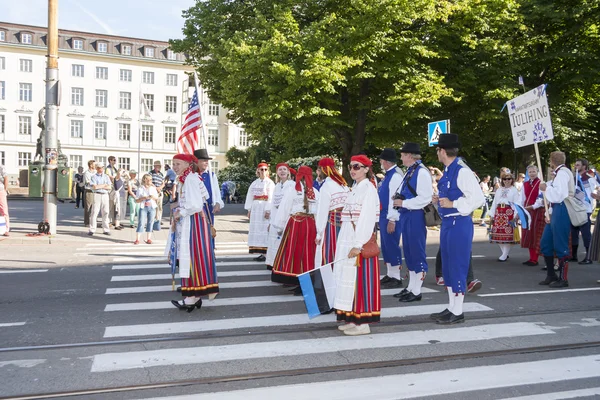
206	178
384	191
412	174
448	187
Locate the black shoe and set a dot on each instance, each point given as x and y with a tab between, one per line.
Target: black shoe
298	291
410	297
549	280
270	267
260	258
385	279
131	226
72	202
401	294
530	263
450	319
179	289
107	233
559	284
544	268
585	261
188	307
393	283
500	260
90	233
438	315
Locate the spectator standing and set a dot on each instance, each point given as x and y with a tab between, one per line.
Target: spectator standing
585	185
146	197
79	188
120	197
88	198
519	182
504	216
158	180
4	198
111	171
131	187
101	186
485	188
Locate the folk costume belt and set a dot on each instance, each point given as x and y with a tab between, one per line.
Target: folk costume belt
299	217
261	197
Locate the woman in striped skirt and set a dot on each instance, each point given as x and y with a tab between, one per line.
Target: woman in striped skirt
190	240
358	295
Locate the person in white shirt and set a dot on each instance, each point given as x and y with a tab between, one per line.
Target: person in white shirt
504	216
555	239
147	196
585	185
260	193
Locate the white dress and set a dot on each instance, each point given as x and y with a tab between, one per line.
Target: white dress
260	193
273	207
332	196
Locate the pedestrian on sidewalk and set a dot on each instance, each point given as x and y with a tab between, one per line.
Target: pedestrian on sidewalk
260	193
79	188
101	186
358	292
284	183
504	230
190	240
533	201
88	198
147	196
120	198
111	170
4	198
131	186
158	180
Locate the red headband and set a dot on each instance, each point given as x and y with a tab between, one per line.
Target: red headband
189	158
306	173
281	165
364	160
262	164
327	162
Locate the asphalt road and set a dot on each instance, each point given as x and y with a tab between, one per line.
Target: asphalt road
104	326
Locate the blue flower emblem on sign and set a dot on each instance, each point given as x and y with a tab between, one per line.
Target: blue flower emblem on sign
539	133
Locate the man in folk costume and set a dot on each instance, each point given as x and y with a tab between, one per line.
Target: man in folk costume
332	197
389	227
284	184
215	202
459	196
192	247
532	200
555	239
585	184
260	193
415	193
295	222
358	295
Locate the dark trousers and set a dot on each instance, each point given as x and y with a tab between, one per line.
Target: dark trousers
80	197
87	209
438	266
586	234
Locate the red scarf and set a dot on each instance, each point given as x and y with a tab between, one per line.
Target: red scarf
183	176
532	191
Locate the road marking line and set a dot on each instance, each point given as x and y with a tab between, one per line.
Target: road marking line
7	324
571	394
152	277
168	288
538	292
23	271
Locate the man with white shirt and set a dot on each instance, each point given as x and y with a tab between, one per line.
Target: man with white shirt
459	196
389	228
555	239
415	192
101	186
88	193
585	184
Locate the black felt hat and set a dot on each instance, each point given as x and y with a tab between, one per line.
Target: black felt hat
411	148
389	155
448	141
202	154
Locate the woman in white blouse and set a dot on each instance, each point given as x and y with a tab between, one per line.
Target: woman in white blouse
504	216
260	193
146	197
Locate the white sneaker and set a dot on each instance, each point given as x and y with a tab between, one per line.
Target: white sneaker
358	330
346	326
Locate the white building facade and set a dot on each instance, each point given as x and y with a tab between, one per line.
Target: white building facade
102	79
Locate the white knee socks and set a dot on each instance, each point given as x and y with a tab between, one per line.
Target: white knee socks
417	278
393	271
411	281
457	309
505	248
451	298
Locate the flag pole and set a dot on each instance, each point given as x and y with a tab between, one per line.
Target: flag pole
201	106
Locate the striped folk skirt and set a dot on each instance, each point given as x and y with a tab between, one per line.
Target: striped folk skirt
366	307
203	266
531	237
296	253
332	230
502	228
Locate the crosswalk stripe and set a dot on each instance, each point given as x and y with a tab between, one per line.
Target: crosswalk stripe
571	394
539	292
222	274
166	266
422	384
7	324
22	271
168	288
209	354
232	301
254	322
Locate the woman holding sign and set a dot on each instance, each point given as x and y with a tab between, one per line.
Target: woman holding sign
358	296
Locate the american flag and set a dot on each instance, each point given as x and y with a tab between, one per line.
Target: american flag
188	141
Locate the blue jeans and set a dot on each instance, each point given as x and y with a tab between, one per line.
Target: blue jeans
146	217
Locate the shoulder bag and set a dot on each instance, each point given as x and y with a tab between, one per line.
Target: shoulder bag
575	207
431	214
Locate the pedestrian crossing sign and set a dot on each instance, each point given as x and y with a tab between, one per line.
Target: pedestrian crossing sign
435	129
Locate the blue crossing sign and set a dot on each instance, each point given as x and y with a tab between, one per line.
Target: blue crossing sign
435	129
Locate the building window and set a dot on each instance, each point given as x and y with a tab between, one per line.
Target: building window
77	70
171	104
147	166
148	77
2	36
2	158
77	44
243	138
77	96
124	162
124	132
102	47
24	125
147	133
213	137
24	159
170	132
149	100
26	38
101	98
171	80
126	50
76	128
214	166
101	72
25	65
125	100
2	90
25	92
149	51
100	159
171	55
100	130
2	126
75	162
213	109
125	75
2	63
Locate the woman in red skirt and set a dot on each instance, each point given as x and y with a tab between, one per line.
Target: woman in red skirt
295	221
532	200
504	216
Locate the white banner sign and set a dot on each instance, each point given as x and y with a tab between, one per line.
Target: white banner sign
530	118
